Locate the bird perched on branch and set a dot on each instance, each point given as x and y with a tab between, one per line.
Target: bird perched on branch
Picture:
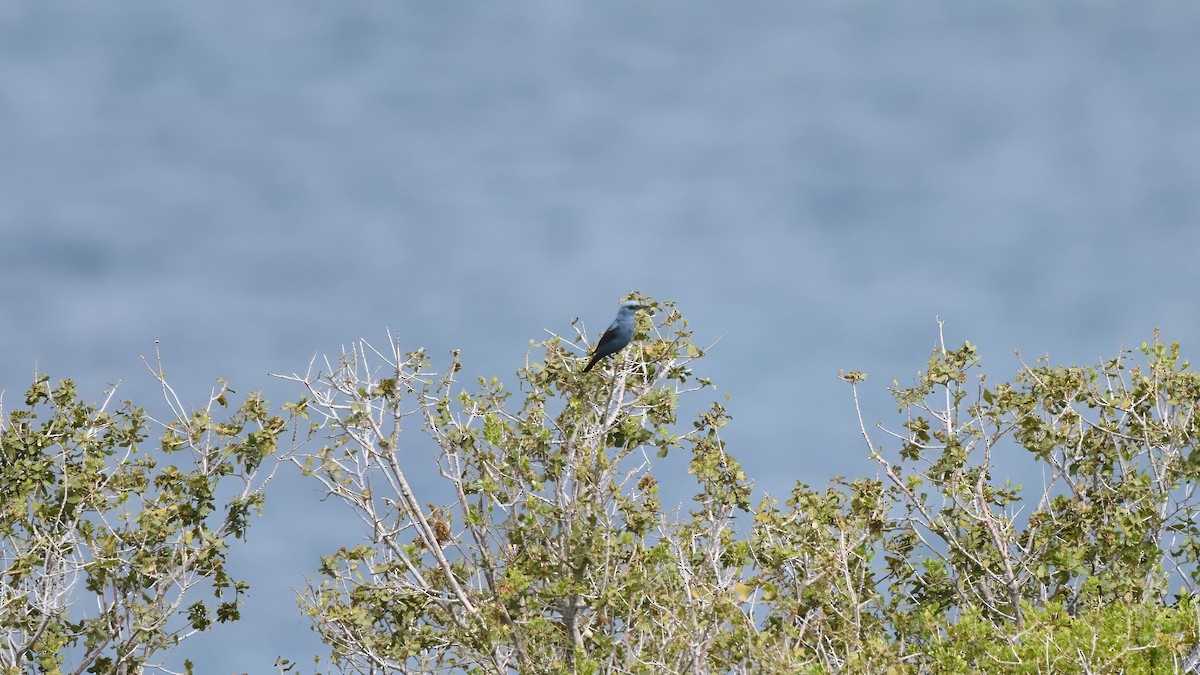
618	334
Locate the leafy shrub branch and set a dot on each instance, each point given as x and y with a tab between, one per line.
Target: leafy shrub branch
104	538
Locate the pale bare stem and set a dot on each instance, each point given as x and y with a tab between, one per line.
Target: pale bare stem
351	406
169	395
862	426
49	593
64	560
136	625
998	531
704	583
829	654
451	468
1184	510
928	521
1174	498
1000	541
976	508
949	420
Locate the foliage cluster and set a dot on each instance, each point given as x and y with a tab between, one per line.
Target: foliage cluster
544	545
556	555
104	543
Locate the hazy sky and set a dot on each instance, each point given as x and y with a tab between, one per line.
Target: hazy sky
250	183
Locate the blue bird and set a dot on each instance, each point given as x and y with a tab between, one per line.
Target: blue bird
618	334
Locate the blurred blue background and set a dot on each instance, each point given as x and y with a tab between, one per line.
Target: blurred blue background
250	183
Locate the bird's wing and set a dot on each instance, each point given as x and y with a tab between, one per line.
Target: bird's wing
608	337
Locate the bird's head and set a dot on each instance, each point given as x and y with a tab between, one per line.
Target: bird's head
633	306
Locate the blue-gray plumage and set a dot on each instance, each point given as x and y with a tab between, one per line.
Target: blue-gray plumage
618	334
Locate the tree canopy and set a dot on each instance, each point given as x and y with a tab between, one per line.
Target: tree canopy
545	546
